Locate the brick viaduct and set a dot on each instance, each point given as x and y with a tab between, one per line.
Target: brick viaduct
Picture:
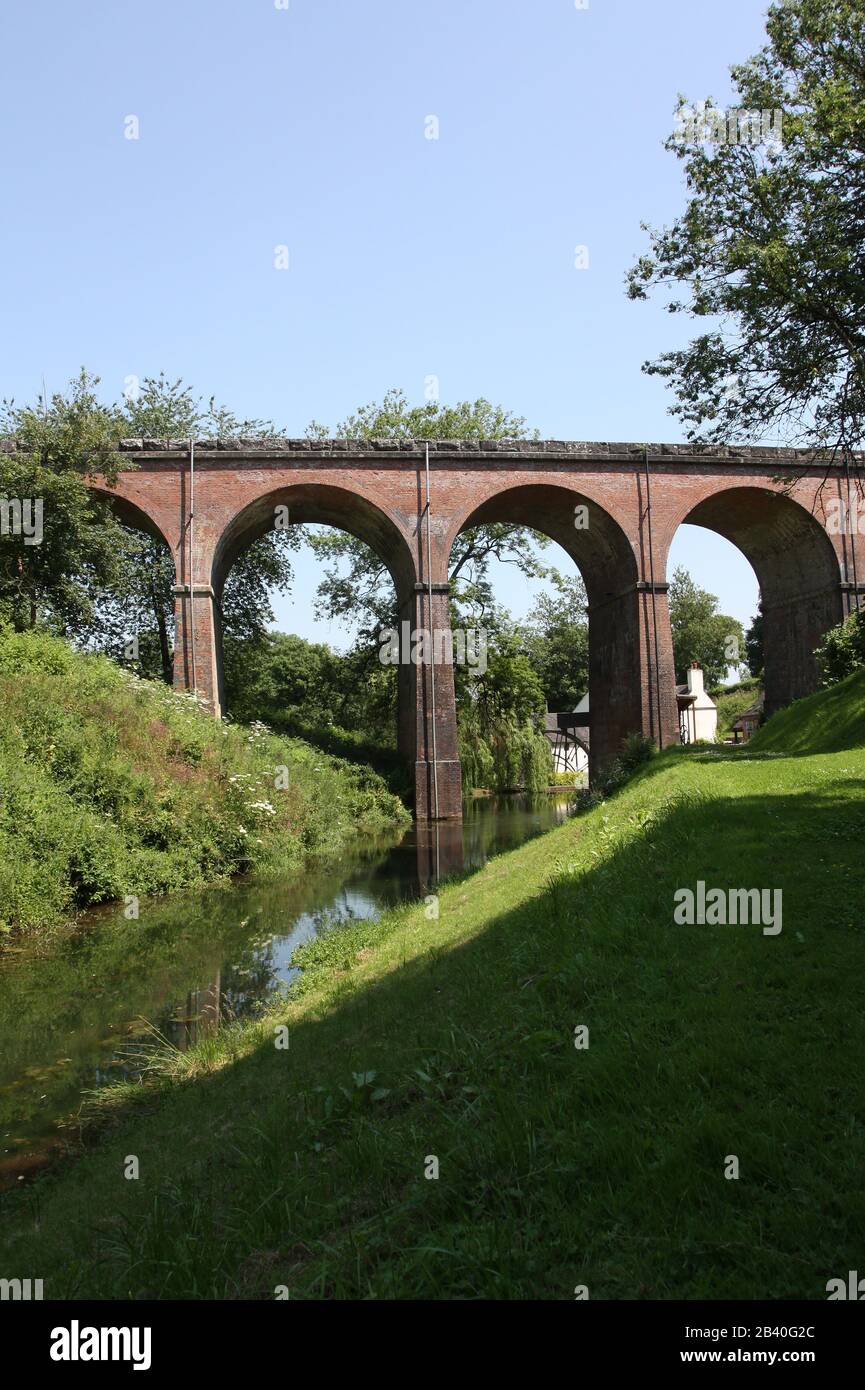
634	498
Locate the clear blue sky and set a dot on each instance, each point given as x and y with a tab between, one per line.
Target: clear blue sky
409	257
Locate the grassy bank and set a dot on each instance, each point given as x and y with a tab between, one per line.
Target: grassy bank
112	786
454	1037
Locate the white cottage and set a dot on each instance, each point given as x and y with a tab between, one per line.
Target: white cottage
698	713
569	732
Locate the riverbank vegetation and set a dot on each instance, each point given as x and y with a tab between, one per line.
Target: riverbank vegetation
431	1129
115	787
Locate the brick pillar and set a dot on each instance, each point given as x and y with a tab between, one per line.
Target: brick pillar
208	644
792	628
437	772
623	689
406	700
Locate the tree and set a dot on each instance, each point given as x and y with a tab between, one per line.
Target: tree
700	632
556	641
164	409
754	645
60	542
92	578
842	650
509	688
394	418
771	245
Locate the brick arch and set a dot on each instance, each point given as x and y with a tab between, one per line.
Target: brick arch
130	514
320	504
799	574
623	479
346	510
601	550
620	661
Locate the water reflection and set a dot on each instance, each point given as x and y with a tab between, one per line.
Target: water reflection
76	1012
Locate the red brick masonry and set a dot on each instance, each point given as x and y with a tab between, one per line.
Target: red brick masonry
776	505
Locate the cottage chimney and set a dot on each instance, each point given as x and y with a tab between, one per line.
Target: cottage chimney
695	679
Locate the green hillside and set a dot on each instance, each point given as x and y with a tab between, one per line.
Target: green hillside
453	1038
831	720
112	786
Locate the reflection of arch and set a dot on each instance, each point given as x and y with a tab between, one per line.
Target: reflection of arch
798	573
599	548
131	515
322	504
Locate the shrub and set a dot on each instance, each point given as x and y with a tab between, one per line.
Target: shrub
842	650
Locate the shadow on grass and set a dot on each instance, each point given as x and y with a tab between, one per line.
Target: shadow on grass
556	1165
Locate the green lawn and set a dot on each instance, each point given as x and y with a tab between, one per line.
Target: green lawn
454	1037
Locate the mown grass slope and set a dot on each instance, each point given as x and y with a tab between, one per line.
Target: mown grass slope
112	786
832	719
453	1038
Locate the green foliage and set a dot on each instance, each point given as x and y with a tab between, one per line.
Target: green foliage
556	640
476	758
700	632
282	676
636	749
395	418
522	756
93	579
74	432
112	786
826	722
842	649
731	701
508	755
754	646
509	688
62	444
501	710
770	245
164	409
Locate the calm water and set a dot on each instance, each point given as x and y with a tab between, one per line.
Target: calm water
74	1012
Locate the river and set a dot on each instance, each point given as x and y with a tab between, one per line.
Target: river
76	1007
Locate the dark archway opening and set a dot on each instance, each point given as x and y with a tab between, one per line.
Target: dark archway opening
136	615
605	560
799	578
312	693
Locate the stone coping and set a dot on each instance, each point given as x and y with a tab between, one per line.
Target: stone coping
242	450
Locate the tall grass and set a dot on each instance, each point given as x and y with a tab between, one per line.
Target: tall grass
111	786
